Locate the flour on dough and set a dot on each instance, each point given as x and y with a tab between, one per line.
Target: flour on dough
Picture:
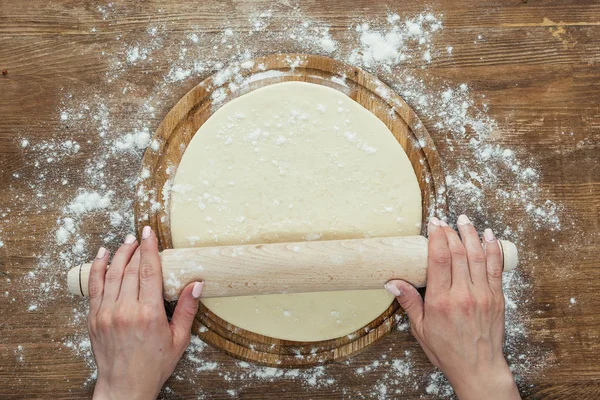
292	162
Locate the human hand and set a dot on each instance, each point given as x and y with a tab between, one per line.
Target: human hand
135	346
460	325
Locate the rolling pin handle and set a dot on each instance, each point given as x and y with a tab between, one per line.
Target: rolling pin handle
510	257
80	288
77	279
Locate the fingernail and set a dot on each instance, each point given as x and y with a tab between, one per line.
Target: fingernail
101	253
434	223
197	290
146	232
129	239
443	223
463	220
392	289
488	234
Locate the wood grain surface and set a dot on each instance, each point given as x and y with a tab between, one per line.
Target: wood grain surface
538	69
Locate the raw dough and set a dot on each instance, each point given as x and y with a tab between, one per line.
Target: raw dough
289	162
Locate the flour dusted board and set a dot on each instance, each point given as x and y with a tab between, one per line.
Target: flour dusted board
294	162
180	125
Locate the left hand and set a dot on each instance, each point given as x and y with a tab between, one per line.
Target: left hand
135	346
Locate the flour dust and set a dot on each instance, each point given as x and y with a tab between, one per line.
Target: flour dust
109	144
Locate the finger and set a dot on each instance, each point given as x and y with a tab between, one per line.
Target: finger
114	275
460	265
130	288
183	316
494	261
151	283
475	252
96	280
409	299
439	259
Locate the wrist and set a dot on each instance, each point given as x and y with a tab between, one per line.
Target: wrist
102	391
106	391
489	383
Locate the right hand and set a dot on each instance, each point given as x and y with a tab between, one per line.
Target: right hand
460	325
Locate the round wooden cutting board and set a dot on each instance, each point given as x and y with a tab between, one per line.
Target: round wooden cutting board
183	121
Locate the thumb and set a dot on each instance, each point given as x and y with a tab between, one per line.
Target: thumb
410	300
185	311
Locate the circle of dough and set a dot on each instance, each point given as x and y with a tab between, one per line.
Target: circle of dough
290	162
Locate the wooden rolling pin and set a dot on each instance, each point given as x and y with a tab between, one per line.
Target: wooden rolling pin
319	266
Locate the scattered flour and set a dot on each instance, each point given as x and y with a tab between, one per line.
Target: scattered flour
399	42
104	190
137	140
88	201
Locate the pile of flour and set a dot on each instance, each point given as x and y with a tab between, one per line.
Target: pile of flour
111	142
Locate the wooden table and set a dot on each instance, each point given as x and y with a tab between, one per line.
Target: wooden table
538	66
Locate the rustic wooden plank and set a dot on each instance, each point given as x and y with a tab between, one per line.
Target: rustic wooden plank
537	65
43	17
